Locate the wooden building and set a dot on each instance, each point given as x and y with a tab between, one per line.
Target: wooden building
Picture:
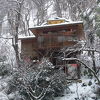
53	36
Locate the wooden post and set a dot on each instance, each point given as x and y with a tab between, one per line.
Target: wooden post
78	70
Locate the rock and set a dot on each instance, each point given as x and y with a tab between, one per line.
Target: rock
80	81
90	83
94	98
84	84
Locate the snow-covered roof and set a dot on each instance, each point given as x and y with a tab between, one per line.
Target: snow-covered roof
61	24
26	37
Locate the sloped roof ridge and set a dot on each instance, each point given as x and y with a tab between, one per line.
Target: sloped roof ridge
65	23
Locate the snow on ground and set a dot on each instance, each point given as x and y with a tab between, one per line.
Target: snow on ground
78	91
3	96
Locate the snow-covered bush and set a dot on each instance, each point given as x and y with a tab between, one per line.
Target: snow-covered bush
40	81
5	68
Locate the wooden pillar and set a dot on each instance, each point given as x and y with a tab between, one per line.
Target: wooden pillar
78	65
78	70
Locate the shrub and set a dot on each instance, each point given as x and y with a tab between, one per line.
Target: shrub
5	69
42	81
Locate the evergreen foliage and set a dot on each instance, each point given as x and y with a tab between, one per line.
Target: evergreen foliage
41	81
5	68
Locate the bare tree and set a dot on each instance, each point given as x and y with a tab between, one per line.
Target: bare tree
18	21
14	18
41	8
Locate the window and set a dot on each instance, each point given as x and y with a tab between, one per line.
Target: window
62	38
66	38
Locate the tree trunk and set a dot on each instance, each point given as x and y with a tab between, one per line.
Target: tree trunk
93	60
78	71
58	9
17	23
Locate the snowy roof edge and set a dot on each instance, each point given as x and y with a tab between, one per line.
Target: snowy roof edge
25	37
61	24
